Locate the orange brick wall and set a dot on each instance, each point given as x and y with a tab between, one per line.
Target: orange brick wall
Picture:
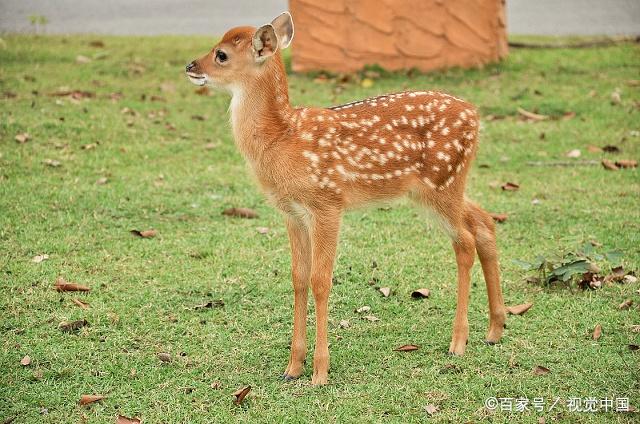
345	35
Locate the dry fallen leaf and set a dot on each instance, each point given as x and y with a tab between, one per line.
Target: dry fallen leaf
80	303
126	420
633	347
568	115
164	357
540	370
625	305
52	163
420	293
406	348
531	116
386	291
499	217
62	285
40	258
262	230
509	186
210	304
240	394
363	309
617	274
82	59
575	153
25	361
594	149
635	328
145	233
23	138
519	309
203	91
87	399
102	181
630	279
431	409
616	99
344	323
216	385
625	163
240	213
609	165
68	327
96	43
597	332
371	318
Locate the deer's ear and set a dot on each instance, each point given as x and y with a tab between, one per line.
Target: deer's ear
264	42
283	25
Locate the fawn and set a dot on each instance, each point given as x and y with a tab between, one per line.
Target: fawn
314	163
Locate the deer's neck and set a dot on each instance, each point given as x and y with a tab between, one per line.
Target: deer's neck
260	112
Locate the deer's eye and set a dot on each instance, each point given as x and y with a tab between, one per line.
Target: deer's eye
221	56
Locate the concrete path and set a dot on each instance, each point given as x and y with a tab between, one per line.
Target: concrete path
148	17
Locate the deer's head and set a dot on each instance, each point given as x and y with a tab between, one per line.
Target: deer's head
242	54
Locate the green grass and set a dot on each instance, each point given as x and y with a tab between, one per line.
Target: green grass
143	290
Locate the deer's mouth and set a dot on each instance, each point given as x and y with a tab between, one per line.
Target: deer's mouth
197	79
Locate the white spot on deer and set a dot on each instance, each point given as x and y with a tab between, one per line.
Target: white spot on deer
443	156
463	116
409	108
388	127
397	172
431	144
457	123
307	136
435	168
445	131
428	182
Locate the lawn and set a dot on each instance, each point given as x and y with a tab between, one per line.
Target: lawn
136	148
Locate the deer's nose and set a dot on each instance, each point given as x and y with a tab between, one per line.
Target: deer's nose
190	67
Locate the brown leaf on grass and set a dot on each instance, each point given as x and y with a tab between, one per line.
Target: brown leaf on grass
69	327
89	146
26	361
52	163
625	305
609	165
509	186
240	394
531	116
126	420
519	309
386	291
210	146
597	332
216	385
40	258
202	91
22	138
594	149
240	213
575	153
144	234
617	274
406	348
630	279
198	118
262	230
499	217
616	98
102	181
371	318
164	357
635	328
568	115
73	94
431	409
209	305
420	293
363	309
62	286
540	370
610	148
87	399
633	347
344	323
96	43
80	303
626	163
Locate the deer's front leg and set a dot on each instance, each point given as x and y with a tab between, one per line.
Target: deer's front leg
324	233
300	272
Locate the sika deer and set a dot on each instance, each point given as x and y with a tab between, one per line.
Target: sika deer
314	163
